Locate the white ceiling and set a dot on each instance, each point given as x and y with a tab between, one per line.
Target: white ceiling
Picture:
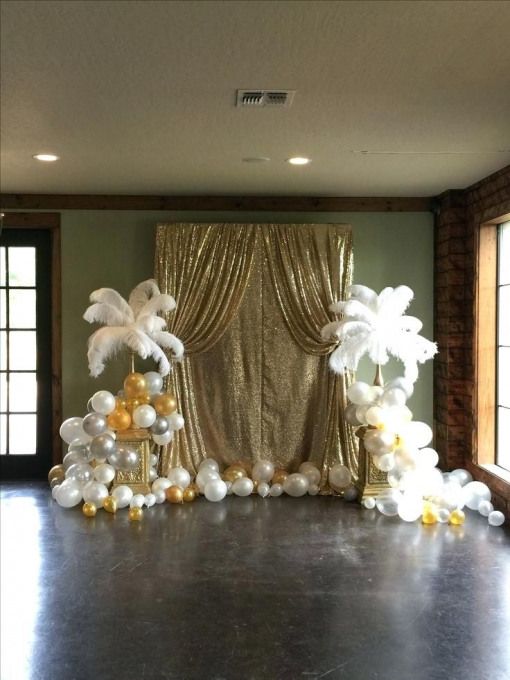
139	97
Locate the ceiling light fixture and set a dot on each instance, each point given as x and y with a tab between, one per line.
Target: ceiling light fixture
299	160
46	157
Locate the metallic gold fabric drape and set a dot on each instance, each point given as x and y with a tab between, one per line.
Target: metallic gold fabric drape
251	300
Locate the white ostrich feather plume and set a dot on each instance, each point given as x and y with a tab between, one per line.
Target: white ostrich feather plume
135	324
375	325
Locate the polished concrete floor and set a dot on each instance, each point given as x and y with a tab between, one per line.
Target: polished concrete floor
248	588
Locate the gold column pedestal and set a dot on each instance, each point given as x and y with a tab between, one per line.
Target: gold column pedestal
139	479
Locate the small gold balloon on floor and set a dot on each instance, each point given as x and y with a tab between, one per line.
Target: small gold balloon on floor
135	514
188	495
119	419
110	504
279	476
135	385
195	488
430	516
56	472
233	472
174	494
165	404
457	517
89	509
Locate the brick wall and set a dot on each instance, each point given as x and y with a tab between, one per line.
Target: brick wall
458	216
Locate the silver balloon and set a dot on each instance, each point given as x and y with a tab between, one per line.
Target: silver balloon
153	382
124	459
102	446
94	424
160	425
350	494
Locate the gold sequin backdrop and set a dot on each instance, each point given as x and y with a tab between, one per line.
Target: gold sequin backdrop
254	383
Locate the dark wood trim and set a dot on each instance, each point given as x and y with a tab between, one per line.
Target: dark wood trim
50	221
216	203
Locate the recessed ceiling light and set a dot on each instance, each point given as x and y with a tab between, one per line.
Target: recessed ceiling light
299	160
47	157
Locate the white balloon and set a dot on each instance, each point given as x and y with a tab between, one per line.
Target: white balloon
374	415
276	490
95	492
242	486
385	463
263	471
443	515
339	477
150	500
416	434
393	397
153	382
451	494
296	485
72	429
160	484
410	507
210	463
475	492
54	491
206	474
103	402
163	439
179	477
137	501
229	488
215	490
313	489
496	518
123	495
263	489
153	475
485	508
428	458
175	421
154	459
160	496
368	502
311	472
144	415
463	476
104	473
359	393
69	494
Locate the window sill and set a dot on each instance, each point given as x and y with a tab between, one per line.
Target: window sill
497	471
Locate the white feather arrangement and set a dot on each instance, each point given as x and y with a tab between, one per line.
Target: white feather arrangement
376	325
135	324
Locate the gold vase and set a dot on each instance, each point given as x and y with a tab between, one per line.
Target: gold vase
138	480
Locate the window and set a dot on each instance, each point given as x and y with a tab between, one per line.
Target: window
503	348
27	395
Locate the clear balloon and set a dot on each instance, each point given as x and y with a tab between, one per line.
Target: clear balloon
242	486
263	489
103	402
179	477
263	471
75	456
387	502
351	494
104	473
95	492
94	424
462	476
68	494
153	382
144	415
339	477
206	474
385	463
311	472
276	490
475	492
215	490
123	495
296	485
80	473
443	515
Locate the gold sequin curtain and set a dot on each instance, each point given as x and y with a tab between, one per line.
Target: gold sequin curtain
251	300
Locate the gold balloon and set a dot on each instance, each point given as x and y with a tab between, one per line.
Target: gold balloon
56	472
135	385
89	509
429	516
165	404
131	404
135	514
119	419
189	494
110	504
244	464
145	398
120	402
233	472
174	494
194	488
457	517
279	476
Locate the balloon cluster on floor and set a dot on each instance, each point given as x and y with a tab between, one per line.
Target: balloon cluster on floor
399	446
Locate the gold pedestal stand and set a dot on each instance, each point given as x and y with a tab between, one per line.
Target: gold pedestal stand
139	479
371	480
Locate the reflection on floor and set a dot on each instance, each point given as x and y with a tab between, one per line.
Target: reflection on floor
249	588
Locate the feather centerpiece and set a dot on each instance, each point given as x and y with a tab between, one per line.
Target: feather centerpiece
136	324
375	324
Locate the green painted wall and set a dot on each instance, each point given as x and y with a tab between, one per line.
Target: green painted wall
116	249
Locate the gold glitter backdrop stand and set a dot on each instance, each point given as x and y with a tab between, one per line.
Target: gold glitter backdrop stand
254	383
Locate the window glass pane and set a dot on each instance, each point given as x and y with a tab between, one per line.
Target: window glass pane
3	435
504	377
22	350
504	316
3	350
503	442
22	392
2	266
3	391
22	308
22	266
3	309
504	253
22	435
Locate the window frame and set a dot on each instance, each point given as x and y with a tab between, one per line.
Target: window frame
51	222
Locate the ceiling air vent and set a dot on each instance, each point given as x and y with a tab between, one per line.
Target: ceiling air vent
274	98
